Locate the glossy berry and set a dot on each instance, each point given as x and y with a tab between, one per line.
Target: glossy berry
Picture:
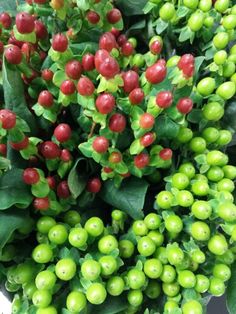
185	60
40	30
107	67
115	158
136	96
68	87
47	75
20	145
45	99
114	16
166	154
13	54
100	144
62	132
63	190
51	182
59	42
7	119
164	99
107	41
188	71
5	20
65	155
50	150
41	203
121	39
107	169
156	73
93	17
115	32
88	62
85	86
185	105
131	81
156	47
127	49
30	176
100	57
117	123
73	69
105	103
24	23
146	121
141	160
148	139
94	185
3	150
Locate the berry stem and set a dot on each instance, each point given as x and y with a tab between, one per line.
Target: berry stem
92	130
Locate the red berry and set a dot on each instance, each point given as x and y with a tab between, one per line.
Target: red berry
156	47
73	69
88	62
85	86
3	150
188	71
131	81
40	30
62	132
63	190
50	150
27	49
185	60
51	182
93	17
94	185
13	41
164	99
28	80
114	16
107	41
185	105
121	39
146	121
100	57
41	203
7	119
30	176
147	139
59	42
68	87
107	169
24	23
65	155
105	103
117	122
115	32
40	1
166	154
108	68
20	145
136	96
127	49
115	158
13	55
125	175
141	160
45	99
5	20
47	74
1	47
156	73
100	144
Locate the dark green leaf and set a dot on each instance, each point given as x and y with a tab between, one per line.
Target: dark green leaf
160	26
229	120
231	291
195	116
131	7
112	305
76	180
165	127
9	6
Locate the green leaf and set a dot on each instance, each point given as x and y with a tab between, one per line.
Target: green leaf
40	189
59	77
182	11
185	34
131	7
76	180
129	197
9	6
112	305
165	127
195	116
83	4
231	291
160	26
13	191
148	7
31	37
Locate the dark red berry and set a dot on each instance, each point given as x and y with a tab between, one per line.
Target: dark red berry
156	47
63	190
7	119
164	99
109	68
115	32
47	74
141	160
136	96
146	121
156	73
93	17
1	47
107	41
45	99
5	20
100	57
59	42
115	158
127	49
185	60
131	81
31	176
107	169
62	132
20	145
114	16
3	150
100	144
117	122
27	49
73	69
147	139
105	103
41	203
68	87
50	150
65	155
40	1
85	86
13	55
188	71
166	154
51	182
88	62
24	23
121	39
13	41
40	30
125	175
94	185
185	105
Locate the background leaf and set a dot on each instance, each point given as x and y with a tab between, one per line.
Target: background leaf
165	127
112	305
231	291
76	180
131	7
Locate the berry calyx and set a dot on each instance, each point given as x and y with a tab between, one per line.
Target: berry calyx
30	176
94	185
68	87
50	150
185	105
73	69
62	132
24	23
7	119
41	203
117	123
59	42
146	121
164	99
45	99
166	154
141	160
100	144
13	55
105	103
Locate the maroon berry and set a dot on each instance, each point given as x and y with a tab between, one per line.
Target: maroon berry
121	39
108	68
125	175
20	145
31	176
188	71
166	154
68	87
107	169
136	96
85	86
27	49
24	23
45	99
117	123
147	139
107	41
156	47
88	62
100	144
59	42
185	105
115	158
5	20
50	150
62	132
13	55
51	182
7	119
63	190
185	60
164	99
41	203
114	16
115	32
65	155
93	17
40	1
94	185
3	150
131	81
156	73
105	103
1	47
40	30
127	49
146	121
141	160
47	74
73	69
100	56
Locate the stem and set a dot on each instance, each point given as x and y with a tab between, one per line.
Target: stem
17	3
92	130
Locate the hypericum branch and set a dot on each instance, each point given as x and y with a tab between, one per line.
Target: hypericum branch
92	130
